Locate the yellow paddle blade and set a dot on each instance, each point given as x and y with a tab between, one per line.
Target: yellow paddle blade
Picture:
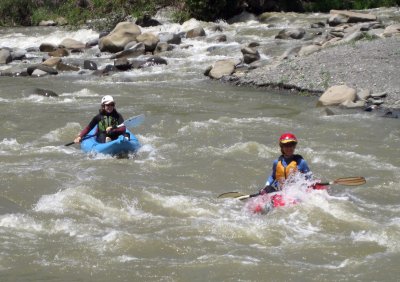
350	181
230	195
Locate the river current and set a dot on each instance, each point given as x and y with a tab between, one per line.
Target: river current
155	216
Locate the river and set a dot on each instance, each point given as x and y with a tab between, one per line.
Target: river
155	216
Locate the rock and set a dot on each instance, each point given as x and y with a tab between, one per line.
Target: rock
163	47
354	17
196	32
135	51
171	38
18	54
221	68
47	23
292	33
317	25
392	30
220	38
149	40
69	43
43	68
155	60
66	67
351	105
44	92
39	73
379	95
147	21
337	95
47	47
307	50
122	64
250	55
122	34
5	56
60	52
363	94
52	62
92	43
89	65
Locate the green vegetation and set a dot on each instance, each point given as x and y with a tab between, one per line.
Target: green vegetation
326	5
76	12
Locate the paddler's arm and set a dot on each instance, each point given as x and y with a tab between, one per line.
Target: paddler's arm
86	130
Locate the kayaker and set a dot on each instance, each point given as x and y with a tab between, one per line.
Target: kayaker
286	164
107	120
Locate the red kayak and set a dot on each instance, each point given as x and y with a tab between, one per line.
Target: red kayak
265	203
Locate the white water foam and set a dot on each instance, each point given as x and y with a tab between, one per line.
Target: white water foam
54	36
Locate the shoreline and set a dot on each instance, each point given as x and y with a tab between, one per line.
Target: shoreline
364	65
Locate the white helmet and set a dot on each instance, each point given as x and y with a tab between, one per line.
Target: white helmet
107	99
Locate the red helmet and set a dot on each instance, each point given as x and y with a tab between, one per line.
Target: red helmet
287	138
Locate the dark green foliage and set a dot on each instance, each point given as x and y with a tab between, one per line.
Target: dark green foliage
16	12
327	5
31	12
210	10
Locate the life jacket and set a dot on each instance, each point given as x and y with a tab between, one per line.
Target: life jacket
282	172
107	121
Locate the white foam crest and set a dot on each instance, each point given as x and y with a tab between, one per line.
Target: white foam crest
53	149
20	222
58	133
54	36
126	258
379	236
11	144
39	99
65	226
252	148
202	125
182	204
85	92
344	156
78	201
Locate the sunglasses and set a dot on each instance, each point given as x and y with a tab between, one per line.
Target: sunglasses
109	105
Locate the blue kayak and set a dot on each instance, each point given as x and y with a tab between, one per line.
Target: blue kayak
119	146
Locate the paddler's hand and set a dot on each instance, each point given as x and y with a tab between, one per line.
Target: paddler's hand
77	139
108	129
267	189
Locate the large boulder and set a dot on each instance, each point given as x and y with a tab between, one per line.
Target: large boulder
70	43
222	68
149	40
337	95
291	33
5	56
391	30
122	34
340	17
250	55
134	51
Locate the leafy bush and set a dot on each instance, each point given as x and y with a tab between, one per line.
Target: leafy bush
209	10
16	12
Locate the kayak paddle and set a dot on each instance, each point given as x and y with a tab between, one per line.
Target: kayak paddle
133	121
346	181
84	138
130	122
237	195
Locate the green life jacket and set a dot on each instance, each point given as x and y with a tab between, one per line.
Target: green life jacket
107	121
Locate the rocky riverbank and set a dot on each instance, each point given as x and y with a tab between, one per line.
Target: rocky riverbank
351	58
365	64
